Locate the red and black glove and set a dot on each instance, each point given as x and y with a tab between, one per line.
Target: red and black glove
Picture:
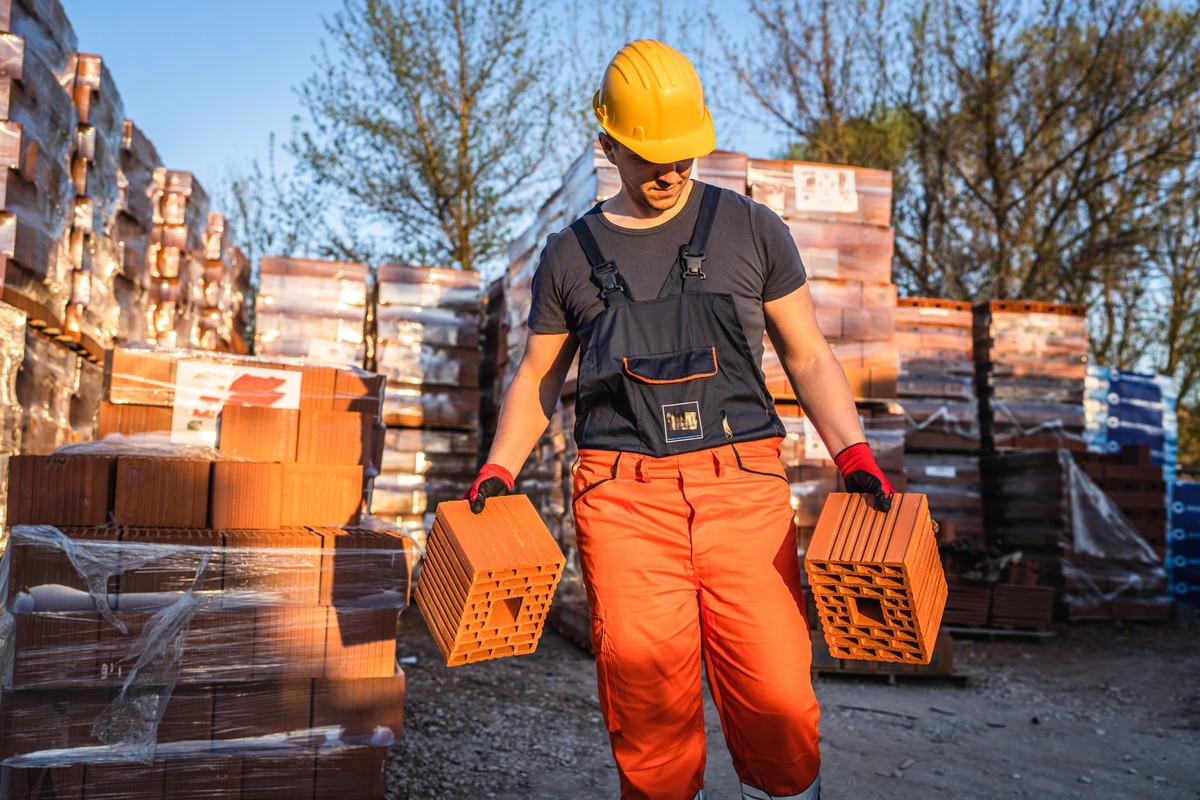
862	474
493	480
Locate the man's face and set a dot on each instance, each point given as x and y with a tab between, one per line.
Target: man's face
654	187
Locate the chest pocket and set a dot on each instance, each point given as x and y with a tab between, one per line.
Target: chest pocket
677	367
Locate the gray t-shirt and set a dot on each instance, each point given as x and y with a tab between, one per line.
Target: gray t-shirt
750	255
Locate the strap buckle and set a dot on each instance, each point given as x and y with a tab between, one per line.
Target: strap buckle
692	263
606	274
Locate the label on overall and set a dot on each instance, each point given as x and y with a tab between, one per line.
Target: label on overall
681	421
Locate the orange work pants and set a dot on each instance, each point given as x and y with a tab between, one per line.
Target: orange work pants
693	554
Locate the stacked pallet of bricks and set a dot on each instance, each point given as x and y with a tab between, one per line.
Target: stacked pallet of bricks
177	260
12	353
1184	542
840	219
58	392
427	350
1135	484
1027	502
141	172
1031	361
937	375
878	589
487	579
228	626
1073	540
224	287
40	143
312	309
937	391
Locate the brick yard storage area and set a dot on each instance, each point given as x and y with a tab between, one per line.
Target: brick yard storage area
1092	712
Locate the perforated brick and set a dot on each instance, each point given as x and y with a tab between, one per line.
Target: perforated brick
877	579
487	580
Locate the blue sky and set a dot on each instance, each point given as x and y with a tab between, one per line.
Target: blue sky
208	82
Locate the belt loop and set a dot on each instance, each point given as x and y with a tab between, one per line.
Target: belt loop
639	472
718	463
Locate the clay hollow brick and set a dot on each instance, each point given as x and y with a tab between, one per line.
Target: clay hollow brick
877	579
487	580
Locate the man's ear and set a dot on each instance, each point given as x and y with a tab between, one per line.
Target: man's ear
609	146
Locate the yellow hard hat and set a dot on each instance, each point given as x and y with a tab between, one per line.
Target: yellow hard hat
652	102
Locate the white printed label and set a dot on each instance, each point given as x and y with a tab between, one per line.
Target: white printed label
814	447
202	388
941	472
825	189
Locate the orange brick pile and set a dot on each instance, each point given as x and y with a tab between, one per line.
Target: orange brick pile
877	579
188	609
487	580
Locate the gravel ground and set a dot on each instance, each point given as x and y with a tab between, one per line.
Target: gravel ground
1094	712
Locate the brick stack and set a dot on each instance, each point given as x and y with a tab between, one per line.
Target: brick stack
1135	484
308	430
1073	538
176	259
12	353
840	219
312	309
487	579
139	164
941	450
876	579
1031	361
38	135
937	375
427	349
224	287
223	619
47	384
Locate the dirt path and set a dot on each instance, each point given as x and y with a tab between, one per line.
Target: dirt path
1092	713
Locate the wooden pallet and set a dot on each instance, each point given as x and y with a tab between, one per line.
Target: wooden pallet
959	676
1037	635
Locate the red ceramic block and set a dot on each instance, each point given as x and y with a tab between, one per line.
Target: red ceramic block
877	579
487	580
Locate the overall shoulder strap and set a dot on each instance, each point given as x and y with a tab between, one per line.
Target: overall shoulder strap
604	271
691	255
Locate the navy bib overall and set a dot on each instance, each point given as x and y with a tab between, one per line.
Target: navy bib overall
670	375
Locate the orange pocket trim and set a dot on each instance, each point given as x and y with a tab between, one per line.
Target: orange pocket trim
644	379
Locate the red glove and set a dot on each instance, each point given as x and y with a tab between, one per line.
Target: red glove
862	475
493	480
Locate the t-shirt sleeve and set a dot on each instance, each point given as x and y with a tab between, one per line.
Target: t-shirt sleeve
547	311
784	269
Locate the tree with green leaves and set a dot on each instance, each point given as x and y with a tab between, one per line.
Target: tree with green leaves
428	122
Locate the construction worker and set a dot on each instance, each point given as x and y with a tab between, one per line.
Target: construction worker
681	503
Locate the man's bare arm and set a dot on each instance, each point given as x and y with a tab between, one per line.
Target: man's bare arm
531	397
814	372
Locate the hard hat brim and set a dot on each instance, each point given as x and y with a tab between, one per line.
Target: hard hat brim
700	142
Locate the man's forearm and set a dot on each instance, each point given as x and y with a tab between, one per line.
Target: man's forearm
524	415
824	394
